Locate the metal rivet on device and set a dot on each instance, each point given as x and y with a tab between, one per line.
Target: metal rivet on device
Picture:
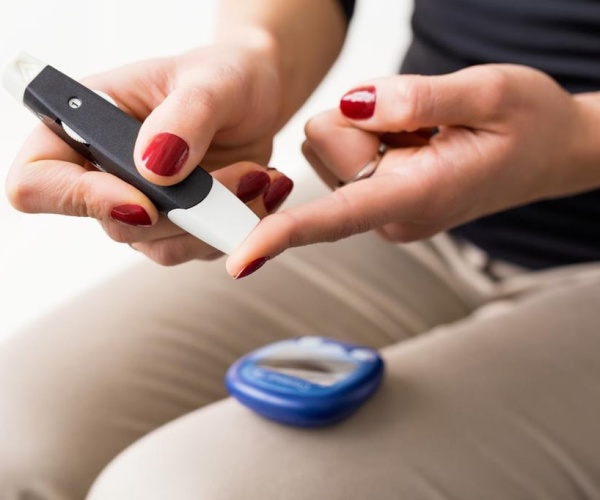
75	102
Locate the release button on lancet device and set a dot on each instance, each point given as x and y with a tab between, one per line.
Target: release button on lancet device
306	382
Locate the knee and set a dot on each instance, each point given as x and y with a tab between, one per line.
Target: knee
223	452
216	453
43	451
175	461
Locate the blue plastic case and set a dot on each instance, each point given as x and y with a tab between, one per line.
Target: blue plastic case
306	381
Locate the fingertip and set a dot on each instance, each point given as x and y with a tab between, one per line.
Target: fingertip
252	185
251	267
254	251
359	103
243	258
163	159
174	137
277	193
132	215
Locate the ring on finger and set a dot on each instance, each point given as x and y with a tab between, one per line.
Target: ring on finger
368	169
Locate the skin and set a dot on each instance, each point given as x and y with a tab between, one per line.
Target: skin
508	135
226	101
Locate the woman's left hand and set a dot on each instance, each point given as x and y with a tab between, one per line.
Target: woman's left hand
508	135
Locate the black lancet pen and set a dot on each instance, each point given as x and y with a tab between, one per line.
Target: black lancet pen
94	126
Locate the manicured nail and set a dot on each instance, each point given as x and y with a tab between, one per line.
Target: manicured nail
134	215
277	193
359	104
252	185
166	154
255	265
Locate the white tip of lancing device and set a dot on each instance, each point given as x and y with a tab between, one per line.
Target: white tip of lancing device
19	72
221	219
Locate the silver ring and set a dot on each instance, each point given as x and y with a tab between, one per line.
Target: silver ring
368	170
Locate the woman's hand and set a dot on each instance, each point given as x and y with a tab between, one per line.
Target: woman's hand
216	105
508	135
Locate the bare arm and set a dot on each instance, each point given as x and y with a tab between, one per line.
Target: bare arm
217	105
303	38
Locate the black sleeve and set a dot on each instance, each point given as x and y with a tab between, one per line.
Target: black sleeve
348	8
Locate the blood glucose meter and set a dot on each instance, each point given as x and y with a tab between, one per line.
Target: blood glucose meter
307	382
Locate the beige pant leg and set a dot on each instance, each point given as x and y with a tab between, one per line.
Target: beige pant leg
152	344
502	405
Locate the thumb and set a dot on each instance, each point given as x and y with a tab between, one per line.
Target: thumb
175	136
468	97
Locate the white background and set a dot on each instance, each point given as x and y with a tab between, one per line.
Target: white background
45	259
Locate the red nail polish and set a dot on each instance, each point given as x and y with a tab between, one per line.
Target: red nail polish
134	215
255	265
277	193
166	154
252	185
359	103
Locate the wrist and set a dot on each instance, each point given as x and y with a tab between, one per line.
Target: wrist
584	169
253	38
299	39
262	61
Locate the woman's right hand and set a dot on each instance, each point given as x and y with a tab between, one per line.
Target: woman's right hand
217	105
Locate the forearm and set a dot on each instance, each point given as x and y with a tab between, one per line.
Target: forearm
301	37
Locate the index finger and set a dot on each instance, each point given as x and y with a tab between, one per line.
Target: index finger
43	144
48	176
353	209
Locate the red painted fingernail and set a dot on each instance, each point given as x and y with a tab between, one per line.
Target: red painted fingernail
277	193
255	265
359	103
134	215
166	154
252	185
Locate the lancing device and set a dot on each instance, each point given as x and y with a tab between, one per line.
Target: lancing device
95	127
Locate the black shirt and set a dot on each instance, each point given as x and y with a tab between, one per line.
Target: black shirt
559	37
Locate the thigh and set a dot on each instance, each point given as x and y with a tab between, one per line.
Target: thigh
500	405
153	343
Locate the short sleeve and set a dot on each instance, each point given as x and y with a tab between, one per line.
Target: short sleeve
347	8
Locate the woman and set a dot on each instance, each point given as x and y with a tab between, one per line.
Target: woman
486	320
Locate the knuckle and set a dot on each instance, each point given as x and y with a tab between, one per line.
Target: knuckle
19	196
164	258
291	232
415	96
497	90
197	99
317	127
429	200
351	222
306	149
20	188
164	254
79	201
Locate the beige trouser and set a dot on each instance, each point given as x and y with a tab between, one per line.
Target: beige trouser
492	388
